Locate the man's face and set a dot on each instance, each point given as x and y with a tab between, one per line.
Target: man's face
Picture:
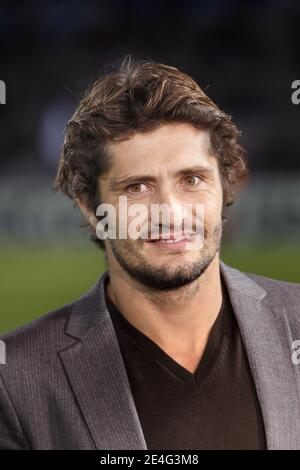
171	165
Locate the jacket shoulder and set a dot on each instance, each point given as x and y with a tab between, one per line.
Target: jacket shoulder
276	286
40	336
281	294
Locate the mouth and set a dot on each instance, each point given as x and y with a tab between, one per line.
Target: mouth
173	242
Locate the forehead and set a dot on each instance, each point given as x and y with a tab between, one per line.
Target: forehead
166	147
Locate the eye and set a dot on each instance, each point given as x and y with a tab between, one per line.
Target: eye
192	180
136	188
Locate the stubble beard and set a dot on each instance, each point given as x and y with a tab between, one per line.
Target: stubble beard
166	277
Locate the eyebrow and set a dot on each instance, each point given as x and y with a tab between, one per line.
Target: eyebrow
126	180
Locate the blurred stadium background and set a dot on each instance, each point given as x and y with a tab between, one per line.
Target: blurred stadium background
244	54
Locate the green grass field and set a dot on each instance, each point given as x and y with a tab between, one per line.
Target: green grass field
37	279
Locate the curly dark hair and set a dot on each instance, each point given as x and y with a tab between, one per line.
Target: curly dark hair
138	96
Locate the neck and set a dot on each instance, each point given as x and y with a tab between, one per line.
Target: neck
178	321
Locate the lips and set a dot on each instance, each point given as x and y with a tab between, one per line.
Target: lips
172	243
173	238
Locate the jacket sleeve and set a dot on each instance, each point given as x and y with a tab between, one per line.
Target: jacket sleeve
11	434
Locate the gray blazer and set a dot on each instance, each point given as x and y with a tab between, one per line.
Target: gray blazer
64	384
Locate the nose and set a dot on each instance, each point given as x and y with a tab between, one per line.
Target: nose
168	210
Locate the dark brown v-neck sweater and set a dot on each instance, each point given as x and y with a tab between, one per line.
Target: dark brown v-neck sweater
214	408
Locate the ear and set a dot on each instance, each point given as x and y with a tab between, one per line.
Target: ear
87	212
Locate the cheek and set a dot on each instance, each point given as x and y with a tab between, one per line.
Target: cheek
212	210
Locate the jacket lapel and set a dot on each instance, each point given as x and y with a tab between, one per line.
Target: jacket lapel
97	375
268	340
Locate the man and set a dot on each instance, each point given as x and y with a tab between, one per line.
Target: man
172	348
